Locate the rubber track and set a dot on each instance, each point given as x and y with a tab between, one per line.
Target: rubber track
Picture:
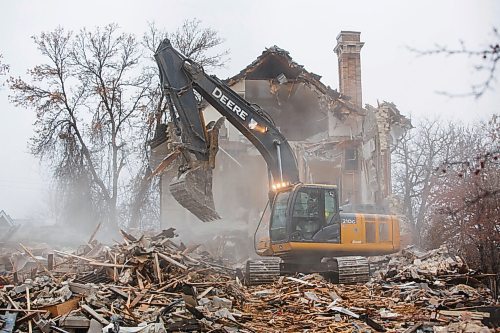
259	271
353	270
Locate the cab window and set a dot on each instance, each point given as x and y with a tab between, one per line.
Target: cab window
330	207
278	218
307	204
308	213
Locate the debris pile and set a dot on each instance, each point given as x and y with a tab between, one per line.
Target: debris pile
155	284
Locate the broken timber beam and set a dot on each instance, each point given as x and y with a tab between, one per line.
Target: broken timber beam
172	261
95	315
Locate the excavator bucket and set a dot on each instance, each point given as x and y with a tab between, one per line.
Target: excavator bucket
193	190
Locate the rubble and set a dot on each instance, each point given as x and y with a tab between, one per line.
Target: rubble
156	284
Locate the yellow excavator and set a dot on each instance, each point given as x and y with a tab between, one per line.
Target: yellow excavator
306	230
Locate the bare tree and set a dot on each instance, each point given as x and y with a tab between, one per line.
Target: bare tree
486	62
447	179
466	214
88	98
415	159
97	100
196	42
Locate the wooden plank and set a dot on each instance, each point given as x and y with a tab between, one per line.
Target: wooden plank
123	294
50	261
22	310
300	281
127	313
128	300
95	315
139	280
188	258
155	303
94	233
115	269
28	306
137	299
127	236
74	322
157	268
26	317
473	314
205	292
14	304
72	255
106	264
63	308
92	261
172	261
149	302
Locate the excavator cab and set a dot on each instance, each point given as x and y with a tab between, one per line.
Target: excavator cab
308	233
305	213
305	235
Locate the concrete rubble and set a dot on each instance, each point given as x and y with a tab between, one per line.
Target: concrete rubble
158	284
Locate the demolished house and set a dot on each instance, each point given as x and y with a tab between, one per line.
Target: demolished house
336	140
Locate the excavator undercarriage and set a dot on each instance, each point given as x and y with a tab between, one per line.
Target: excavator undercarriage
345	270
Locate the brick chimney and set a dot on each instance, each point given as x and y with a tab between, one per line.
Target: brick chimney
348	50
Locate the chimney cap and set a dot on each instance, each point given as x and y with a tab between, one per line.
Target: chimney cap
345	35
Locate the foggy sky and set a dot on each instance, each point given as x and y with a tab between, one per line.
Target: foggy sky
307	29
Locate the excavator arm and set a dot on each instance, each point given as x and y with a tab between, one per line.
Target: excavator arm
180	78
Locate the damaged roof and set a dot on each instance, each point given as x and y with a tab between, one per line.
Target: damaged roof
275	62
266	63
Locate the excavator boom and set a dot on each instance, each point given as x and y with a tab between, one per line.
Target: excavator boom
192	188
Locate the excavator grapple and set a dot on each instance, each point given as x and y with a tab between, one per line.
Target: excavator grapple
193	187
193	190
